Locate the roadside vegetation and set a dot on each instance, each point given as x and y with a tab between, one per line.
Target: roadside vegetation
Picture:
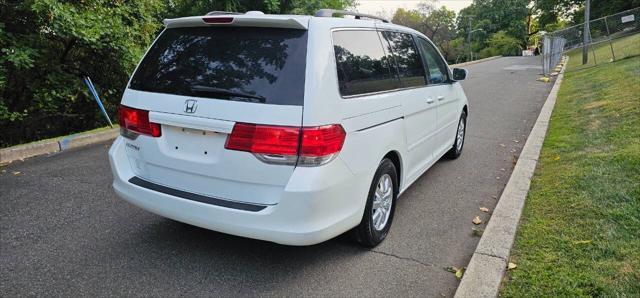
580	230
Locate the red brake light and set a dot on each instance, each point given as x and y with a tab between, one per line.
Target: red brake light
137	121
308	146
282	140
217	20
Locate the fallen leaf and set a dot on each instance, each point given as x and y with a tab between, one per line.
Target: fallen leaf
477	220
503	145
557	157
459	273
484	209
582	242
17	173
477	232
511	266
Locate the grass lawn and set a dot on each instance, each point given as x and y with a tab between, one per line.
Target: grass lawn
580	230
623	47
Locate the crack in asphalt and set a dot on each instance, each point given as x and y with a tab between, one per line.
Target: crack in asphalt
493	139
403	258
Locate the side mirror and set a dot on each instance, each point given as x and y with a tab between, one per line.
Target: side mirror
459	74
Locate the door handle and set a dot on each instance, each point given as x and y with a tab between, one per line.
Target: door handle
430	100
440	98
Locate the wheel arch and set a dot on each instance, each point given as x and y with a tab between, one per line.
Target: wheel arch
395	158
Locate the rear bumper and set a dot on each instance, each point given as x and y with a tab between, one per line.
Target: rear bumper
317	204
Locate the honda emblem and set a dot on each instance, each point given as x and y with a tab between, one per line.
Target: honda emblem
190	106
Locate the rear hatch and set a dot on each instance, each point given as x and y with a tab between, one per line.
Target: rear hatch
196	83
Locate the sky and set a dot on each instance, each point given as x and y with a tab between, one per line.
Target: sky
388	7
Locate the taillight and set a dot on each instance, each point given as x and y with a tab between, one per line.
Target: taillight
265	139
320	144
290	145
137	122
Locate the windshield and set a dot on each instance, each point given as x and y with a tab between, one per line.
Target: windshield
262	65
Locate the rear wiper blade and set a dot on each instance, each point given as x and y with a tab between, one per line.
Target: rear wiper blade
200	88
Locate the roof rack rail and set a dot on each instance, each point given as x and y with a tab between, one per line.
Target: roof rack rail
328	13
219	12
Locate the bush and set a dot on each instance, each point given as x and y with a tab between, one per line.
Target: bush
500	43
48	46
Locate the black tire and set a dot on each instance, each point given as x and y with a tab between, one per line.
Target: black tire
456	150
366	233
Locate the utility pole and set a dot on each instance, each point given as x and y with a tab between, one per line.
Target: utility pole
586	34
469	38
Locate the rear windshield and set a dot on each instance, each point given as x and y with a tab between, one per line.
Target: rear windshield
261	65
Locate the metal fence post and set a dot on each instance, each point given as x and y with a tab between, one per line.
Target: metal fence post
606	25
546	47
593	50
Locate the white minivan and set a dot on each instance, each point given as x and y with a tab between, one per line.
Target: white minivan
285	128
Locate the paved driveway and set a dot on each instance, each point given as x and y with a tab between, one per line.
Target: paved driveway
65	233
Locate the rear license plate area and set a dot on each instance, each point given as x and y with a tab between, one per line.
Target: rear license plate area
194	142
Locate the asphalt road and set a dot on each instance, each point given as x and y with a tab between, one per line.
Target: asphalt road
65	233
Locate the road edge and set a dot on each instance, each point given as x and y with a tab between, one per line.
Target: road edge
475	61
20	152
489	261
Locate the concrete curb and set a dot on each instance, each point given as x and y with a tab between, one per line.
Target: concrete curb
475	61
489	261
20	152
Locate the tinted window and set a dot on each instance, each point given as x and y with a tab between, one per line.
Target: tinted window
264	65
405	54
436	67
362	64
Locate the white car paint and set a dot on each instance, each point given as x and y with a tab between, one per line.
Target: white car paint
302	205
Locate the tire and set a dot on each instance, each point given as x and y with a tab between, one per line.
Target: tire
458	143
372	231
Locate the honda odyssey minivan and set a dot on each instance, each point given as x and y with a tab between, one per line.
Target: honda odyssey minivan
284	128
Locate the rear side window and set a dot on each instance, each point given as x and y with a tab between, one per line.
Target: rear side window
407	58
437	68
261	65
361	62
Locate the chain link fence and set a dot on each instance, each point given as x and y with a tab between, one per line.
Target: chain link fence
608	39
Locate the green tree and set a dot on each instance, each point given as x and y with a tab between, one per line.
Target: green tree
48	46
410	18
179	8
440	24
500	43
514	18
437	24
552	12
